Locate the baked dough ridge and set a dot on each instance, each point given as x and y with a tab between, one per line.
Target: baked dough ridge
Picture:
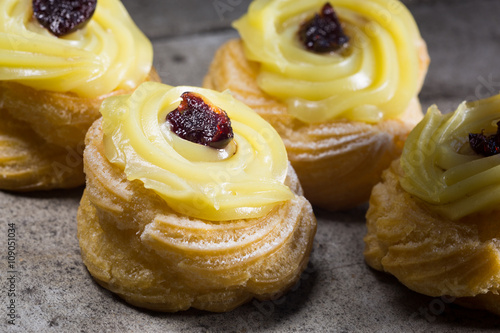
337	162
136	246
431	254
42	136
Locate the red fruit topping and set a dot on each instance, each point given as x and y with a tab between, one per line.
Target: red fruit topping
198	121
323	33
62	17
485	145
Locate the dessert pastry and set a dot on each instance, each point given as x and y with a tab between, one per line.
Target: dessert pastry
190	202
57	64
340	87
432	221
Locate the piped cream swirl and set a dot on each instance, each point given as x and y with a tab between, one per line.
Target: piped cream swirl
243	181
374	78
109	53
442	169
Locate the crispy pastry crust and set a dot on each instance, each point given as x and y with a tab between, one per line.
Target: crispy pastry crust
429	253
337	162
134	245
42	134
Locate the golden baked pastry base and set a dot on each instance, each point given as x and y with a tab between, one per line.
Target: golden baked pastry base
134	245
27	162
42	134
431	254
337	162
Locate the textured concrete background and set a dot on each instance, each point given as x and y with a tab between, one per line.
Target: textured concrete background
338	292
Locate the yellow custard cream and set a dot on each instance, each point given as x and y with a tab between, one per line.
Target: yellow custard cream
442	169
109	53
373	78
244	180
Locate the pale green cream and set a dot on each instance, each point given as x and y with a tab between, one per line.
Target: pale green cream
441	168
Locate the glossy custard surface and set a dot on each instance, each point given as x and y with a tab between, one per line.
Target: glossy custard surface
371	79
243	180
109	53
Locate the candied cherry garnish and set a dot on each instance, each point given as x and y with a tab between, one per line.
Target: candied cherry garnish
485	145
323	33
62	17
198	121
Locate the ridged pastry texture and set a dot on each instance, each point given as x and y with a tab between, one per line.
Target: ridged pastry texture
28	162
51	89
42	136
136	246
429	253
338	162
433	220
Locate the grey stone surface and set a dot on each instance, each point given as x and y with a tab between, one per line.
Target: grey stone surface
185	60
166	18
338	292
462	38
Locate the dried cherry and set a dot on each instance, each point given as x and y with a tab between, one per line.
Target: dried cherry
323	33
62	17
198	121
485	145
